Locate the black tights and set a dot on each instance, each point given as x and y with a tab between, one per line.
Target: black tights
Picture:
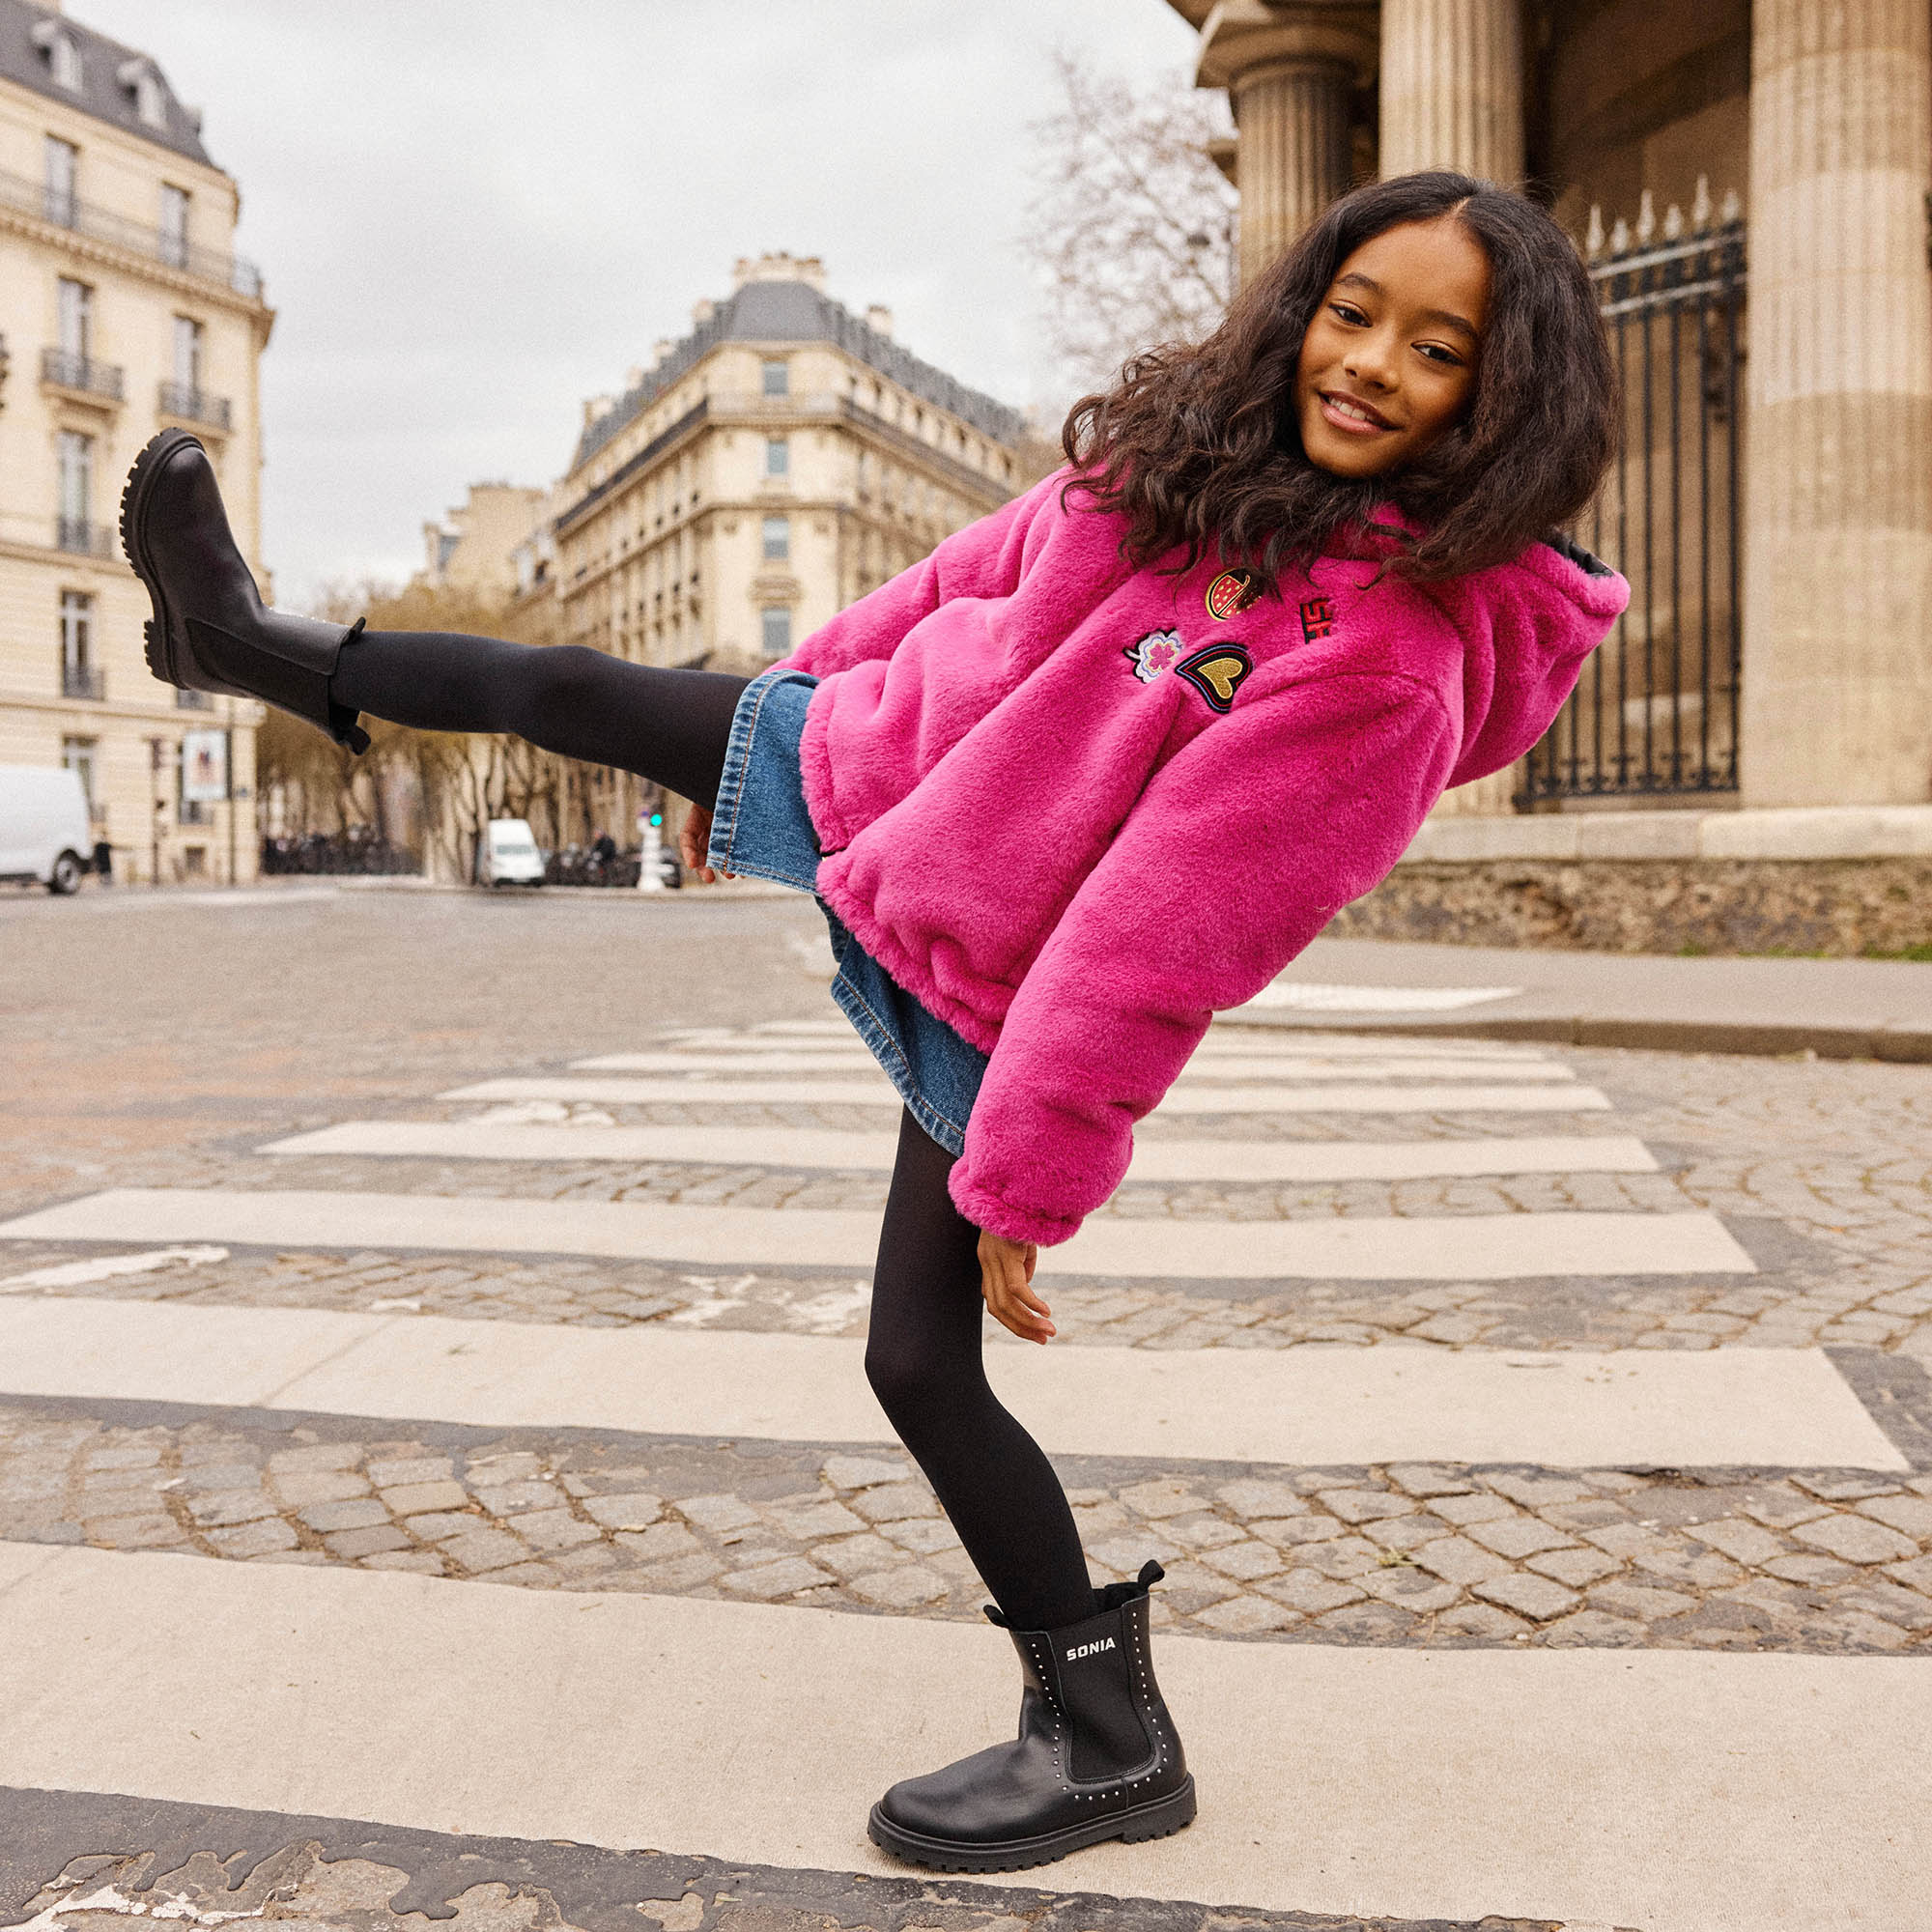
671	726
924	1358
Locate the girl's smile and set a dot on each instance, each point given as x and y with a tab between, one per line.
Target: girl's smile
1389	361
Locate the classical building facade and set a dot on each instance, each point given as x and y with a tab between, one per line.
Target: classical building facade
785	458
122	310
475	547
1748	180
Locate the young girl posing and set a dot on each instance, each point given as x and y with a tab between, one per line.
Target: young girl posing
1102	764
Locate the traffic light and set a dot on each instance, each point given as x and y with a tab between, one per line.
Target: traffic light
657	818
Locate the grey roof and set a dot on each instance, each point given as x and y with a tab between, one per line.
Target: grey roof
101	92
797	312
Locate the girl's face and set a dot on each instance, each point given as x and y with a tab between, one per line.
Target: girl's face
1389	362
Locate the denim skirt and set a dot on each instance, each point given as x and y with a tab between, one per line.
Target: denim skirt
761	829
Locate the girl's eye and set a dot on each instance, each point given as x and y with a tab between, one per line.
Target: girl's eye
1436	353
1349	313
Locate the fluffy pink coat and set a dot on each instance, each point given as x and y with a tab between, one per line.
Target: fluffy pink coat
1058	840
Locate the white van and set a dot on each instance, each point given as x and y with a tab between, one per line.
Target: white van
45	833
507	855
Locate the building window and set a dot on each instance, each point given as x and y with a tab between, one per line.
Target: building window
77	490
150	104
778	456
174	226
189	338
76	630
775	630
78	757
78	677
62	172
64	57
778	378
777	539
73	316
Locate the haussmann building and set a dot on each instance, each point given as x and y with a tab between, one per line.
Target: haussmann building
123	310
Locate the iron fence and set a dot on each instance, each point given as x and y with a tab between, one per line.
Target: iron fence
1656	712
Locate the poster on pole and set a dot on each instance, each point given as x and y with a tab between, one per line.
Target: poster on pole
204	767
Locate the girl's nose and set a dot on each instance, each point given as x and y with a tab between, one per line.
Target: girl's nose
1371	360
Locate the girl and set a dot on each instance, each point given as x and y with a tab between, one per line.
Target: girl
1104	762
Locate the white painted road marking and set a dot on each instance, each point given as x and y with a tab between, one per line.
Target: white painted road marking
1342	1097
1311	997
1676	1790
1312	1407
1458	1247
108	1267
710	1066
818	1148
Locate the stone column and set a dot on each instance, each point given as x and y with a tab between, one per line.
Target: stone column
1452	98
1293	156
1452	87
1289	70
1837	672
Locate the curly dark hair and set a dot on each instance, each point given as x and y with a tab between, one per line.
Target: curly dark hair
1198	447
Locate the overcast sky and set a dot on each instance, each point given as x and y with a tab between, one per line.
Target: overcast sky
473	213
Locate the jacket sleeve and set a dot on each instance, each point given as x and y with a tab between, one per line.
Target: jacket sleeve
1243	847
985	559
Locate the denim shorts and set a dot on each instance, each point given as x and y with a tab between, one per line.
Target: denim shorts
763	830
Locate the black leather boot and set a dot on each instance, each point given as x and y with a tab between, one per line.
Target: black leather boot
1096	1758
210	629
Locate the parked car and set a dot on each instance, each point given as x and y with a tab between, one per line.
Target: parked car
507	855
46	833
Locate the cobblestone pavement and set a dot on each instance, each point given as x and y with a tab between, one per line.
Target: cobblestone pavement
210	1037
313	1872
1415	1554
1822	1169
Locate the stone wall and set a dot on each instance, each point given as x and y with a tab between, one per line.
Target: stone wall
1838	906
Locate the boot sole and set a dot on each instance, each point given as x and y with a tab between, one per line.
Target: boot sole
1160	1818
158	629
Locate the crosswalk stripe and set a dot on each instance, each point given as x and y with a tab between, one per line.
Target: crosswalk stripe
1487	1247
1320	1407
1228	1162
1668	1789
1227	1037
1259	1066
1342	1097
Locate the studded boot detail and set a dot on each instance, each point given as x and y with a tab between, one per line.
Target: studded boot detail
210	629
1098	1756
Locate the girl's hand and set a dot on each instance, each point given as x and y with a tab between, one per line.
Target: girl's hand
1006	1278
693	845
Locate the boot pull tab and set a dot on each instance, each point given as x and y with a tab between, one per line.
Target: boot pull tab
991	1612
1151	1572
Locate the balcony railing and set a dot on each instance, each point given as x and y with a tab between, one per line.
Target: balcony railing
82	681
81	538
68	371
68	211
195	405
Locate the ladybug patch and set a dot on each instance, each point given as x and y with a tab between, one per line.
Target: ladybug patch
1216	672
1233	591
1156	652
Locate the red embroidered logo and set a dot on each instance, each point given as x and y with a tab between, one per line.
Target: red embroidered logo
1317	617
1234	590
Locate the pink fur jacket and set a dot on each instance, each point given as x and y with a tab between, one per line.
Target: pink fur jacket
1075	807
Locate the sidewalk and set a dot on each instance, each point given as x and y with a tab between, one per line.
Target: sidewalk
1839	1008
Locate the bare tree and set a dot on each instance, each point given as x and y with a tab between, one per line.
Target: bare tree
449	783
1133	227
